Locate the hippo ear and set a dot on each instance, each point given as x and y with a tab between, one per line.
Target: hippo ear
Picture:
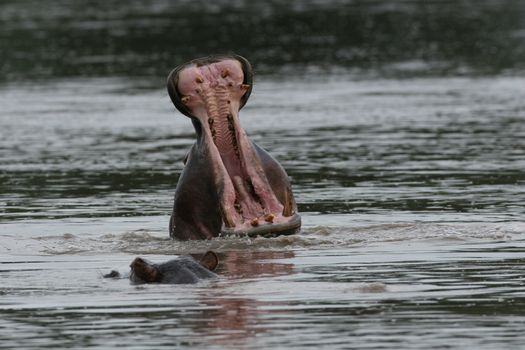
209	260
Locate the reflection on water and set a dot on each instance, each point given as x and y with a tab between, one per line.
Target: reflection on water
233	320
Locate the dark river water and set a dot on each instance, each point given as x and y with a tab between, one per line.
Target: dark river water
401	124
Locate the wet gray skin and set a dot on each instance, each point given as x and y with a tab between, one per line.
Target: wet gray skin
229	184
183	270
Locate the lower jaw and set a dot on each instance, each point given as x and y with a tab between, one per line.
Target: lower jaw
252	218
289	227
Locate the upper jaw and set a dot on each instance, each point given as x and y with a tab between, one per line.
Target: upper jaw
218	61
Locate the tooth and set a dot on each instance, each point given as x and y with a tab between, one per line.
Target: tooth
288	204
255	222
199	80
185	99
269	218
228	221
225	73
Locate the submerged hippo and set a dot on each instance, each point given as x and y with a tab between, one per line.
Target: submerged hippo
177	271
229	185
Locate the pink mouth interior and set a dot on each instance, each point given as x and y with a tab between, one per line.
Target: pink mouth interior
212	93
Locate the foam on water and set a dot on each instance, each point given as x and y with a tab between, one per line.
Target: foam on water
156	241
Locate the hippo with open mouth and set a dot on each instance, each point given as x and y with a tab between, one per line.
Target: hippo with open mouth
229	185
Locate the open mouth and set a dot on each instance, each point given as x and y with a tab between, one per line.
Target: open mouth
212	91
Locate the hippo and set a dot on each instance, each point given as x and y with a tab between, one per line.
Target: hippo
229	185
184	270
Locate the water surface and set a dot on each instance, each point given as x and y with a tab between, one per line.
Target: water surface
406	153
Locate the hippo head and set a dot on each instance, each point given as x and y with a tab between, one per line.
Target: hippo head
176	271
